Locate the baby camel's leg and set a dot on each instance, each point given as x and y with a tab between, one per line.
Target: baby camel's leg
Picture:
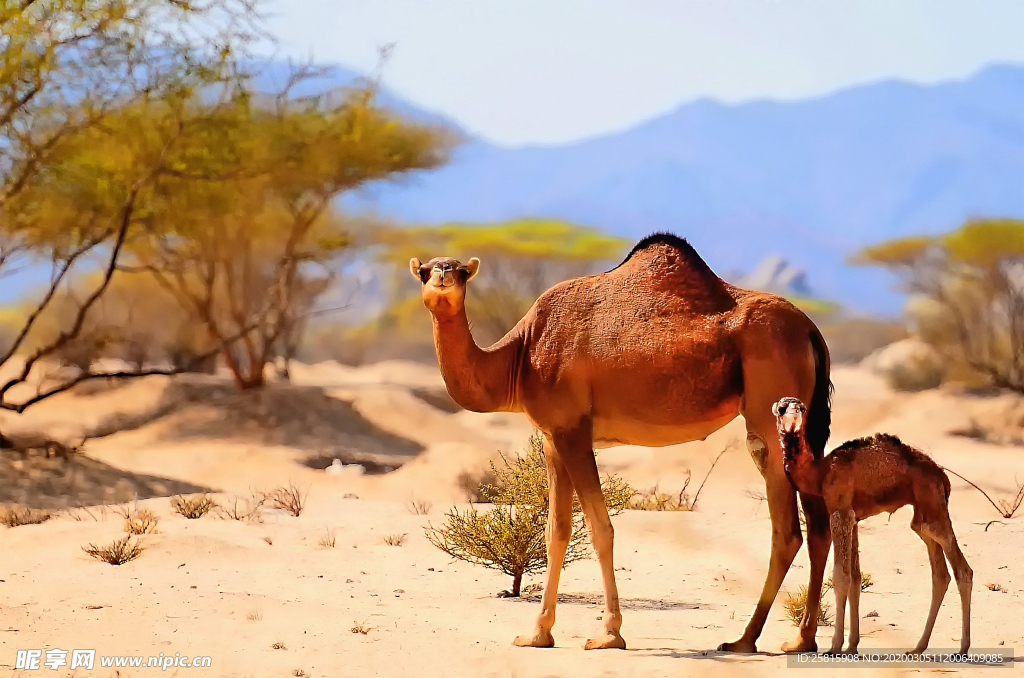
854	592
941	530
940	579
843	522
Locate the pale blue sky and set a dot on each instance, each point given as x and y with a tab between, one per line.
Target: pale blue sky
550	71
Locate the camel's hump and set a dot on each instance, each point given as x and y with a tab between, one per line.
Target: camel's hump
670	241
669	264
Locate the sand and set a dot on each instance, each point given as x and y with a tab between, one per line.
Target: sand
233	589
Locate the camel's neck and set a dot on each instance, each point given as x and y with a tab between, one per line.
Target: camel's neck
481	380
801	466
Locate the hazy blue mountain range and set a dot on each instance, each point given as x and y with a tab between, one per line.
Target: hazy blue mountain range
808	180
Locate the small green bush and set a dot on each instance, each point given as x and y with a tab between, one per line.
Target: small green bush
510	537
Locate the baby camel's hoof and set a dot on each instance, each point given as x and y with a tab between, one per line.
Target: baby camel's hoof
800	645
538	639
738	646
606	642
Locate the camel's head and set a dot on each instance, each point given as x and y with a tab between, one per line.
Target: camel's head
789	414
444	283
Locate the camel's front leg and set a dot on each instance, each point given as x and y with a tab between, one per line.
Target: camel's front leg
786	537
576	449
855	579
843	523
557	534
940	582
819	542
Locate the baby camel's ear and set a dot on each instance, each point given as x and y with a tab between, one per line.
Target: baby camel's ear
414	268
472	266
775	409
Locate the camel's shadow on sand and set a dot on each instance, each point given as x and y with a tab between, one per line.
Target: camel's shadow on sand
624	603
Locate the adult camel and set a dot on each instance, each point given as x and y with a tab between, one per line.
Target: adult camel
657	351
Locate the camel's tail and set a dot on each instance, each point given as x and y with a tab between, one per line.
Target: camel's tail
819	414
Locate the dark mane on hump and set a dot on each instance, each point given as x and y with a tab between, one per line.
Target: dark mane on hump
674	241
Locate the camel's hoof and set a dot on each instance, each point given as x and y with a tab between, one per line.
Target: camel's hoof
738	646
801	645
606	642
538	639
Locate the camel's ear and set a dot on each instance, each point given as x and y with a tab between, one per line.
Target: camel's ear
414	268
472	267
775	409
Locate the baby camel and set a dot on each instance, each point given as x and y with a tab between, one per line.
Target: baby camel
863	478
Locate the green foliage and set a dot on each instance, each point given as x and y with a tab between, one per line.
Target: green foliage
510	537
986	243
892	253
548	239
70	64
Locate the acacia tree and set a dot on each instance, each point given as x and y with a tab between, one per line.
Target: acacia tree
248	256
970	290
76	165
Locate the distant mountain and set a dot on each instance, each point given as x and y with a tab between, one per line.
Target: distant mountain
775	274
809	181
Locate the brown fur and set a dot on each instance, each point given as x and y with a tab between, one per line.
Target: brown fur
865	477
655	352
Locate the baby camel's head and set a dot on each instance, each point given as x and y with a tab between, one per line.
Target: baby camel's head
789	414
789	417
444	283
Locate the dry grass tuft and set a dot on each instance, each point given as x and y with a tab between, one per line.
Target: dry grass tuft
328	540
278	646
866	582
419	507
291	499
16	516
795	605
255	615
395	539
143	522
193	506
995	587
248	509
119	552
359	627
656	500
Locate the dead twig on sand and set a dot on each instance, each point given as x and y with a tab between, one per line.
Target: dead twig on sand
693	504
1005	508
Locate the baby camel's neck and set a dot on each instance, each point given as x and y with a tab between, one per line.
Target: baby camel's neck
801	467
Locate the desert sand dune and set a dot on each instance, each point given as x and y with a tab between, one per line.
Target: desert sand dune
233	589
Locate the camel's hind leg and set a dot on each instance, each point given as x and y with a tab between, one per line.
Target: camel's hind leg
940	529
557	534
576	449
843	523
